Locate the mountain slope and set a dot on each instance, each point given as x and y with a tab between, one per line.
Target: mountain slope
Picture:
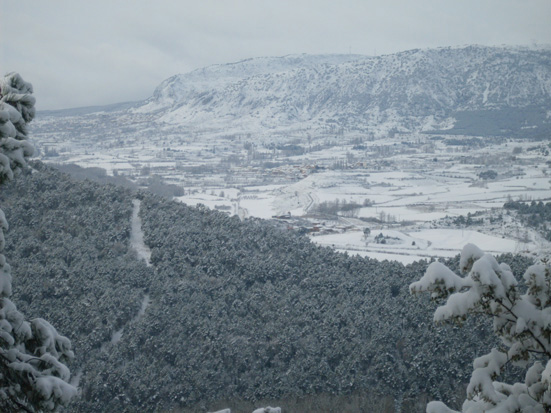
474	90
180	87
358	92
238	311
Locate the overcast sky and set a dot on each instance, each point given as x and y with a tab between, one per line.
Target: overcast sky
81	53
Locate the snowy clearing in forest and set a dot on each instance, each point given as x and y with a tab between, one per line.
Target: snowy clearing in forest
417	245
136	235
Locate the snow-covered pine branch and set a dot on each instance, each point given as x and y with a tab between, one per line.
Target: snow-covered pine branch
521	320
16	110
33	374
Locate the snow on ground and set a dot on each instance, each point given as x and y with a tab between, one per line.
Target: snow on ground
455	239
136	235
258	206
407	247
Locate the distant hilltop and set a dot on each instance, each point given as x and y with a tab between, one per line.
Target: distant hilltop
473	90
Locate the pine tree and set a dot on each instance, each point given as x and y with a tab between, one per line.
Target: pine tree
522	320
33	374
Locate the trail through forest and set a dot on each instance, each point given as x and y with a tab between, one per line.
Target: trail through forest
144	253
136	235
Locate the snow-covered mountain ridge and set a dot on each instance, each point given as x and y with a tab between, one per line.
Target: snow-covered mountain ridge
178	87
354	91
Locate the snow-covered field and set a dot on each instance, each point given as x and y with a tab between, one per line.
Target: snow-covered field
406	202
408	246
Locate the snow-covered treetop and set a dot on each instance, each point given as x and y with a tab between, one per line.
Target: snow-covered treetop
16	110
522	321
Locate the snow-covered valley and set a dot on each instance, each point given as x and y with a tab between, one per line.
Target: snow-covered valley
388	182
401	187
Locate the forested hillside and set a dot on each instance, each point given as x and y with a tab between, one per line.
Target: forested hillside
535	215
230	314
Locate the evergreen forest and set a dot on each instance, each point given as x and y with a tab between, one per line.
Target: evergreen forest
230	313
